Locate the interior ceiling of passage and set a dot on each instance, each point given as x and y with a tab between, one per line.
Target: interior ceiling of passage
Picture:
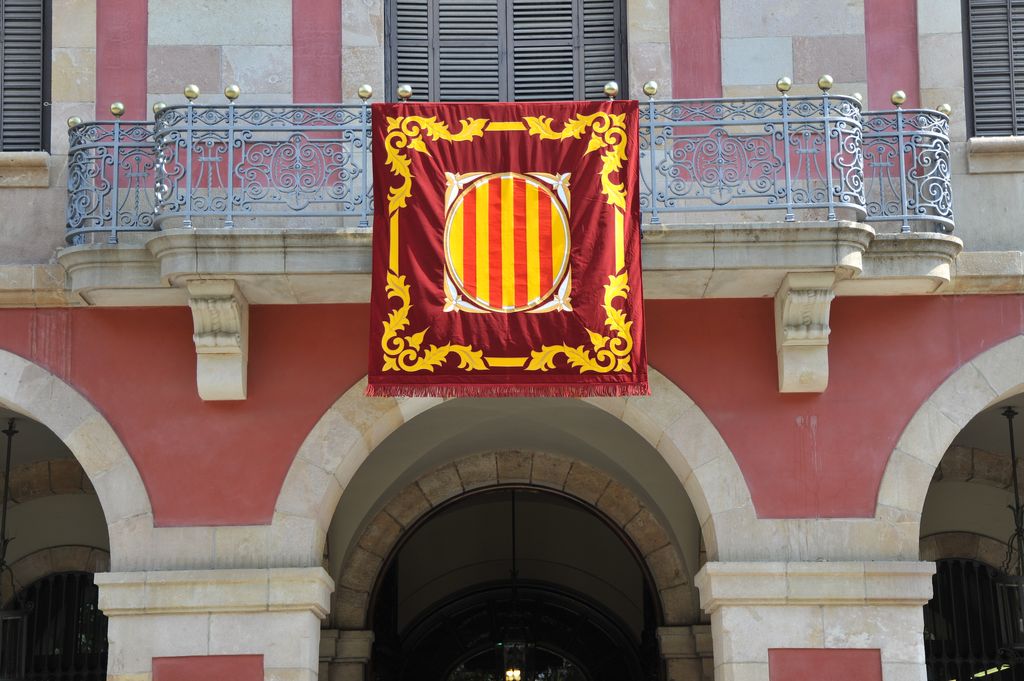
559	542
34	441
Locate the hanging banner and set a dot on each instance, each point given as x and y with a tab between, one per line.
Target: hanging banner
506	250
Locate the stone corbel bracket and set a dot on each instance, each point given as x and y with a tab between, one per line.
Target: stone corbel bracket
802	307
220	317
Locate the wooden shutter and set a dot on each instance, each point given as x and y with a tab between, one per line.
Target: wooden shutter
602	47
996	54
410	48
469	48
497	50
22	84
545	53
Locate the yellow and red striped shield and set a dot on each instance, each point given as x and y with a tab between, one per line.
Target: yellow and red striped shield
507	241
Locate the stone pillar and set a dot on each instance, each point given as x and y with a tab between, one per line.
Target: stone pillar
757	607
344	654
687	652
274	613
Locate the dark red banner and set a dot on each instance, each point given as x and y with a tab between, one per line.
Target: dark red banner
506	250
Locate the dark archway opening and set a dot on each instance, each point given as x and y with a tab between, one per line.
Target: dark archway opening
568	599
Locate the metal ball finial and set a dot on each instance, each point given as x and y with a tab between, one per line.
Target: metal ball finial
191	92
858	96
611	88
365	92
404	91
232	92
784	84
945	109
117	109
898	98
158	108
651	88
826	82
74	121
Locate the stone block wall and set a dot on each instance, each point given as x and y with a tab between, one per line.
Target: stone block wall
214	43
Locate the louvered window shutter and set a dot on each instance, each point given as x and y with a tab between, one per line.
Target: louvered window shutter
22	88
488	50
996	54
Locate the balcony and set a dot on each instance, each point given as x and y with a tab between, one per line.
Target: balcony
735	194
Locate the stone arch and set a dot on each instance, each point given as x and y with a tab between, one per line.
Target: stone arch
29	389
350	430
48	561
963	545
593	488
986	379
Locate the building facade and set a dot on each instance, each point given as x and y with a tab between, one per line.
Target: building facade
834	281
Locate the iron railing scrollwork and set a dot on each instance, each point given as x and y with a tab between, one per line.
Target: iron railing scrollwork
111	171
785	153
907	168
234	165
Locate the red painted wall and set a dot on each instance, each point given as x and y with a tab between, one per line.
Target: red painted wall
890	28
802	455
695	29
202	462
811	455
316	52
121	39
218	667
835	664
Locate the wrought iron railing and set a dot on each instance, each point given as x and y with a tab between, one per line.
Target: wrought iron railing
290	165
234	162
111	175
780	154
906	168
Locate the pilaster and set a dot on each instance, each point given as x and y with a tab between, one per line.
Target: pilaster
344	654
758	607
274	612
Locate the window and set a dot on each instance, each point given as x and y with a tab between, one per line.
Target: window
54	630
505	50
24	75
994	31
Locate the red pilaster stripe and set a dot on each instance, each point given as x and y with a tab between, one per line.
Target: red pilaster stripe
890	35
696	35
220	667
316	51
122	36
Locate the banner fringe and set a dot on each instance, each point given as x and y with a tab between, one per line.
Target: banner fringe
641	389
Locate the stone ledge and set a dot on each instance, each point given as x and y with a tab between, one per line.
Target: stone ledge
995	154
818	583
988	272
307	266
24	169
34	286
182	592
905	264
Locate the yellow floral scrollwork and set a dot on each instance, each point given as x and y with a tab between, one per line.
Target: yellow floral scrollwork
609	354
405	353
607	131
407	132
